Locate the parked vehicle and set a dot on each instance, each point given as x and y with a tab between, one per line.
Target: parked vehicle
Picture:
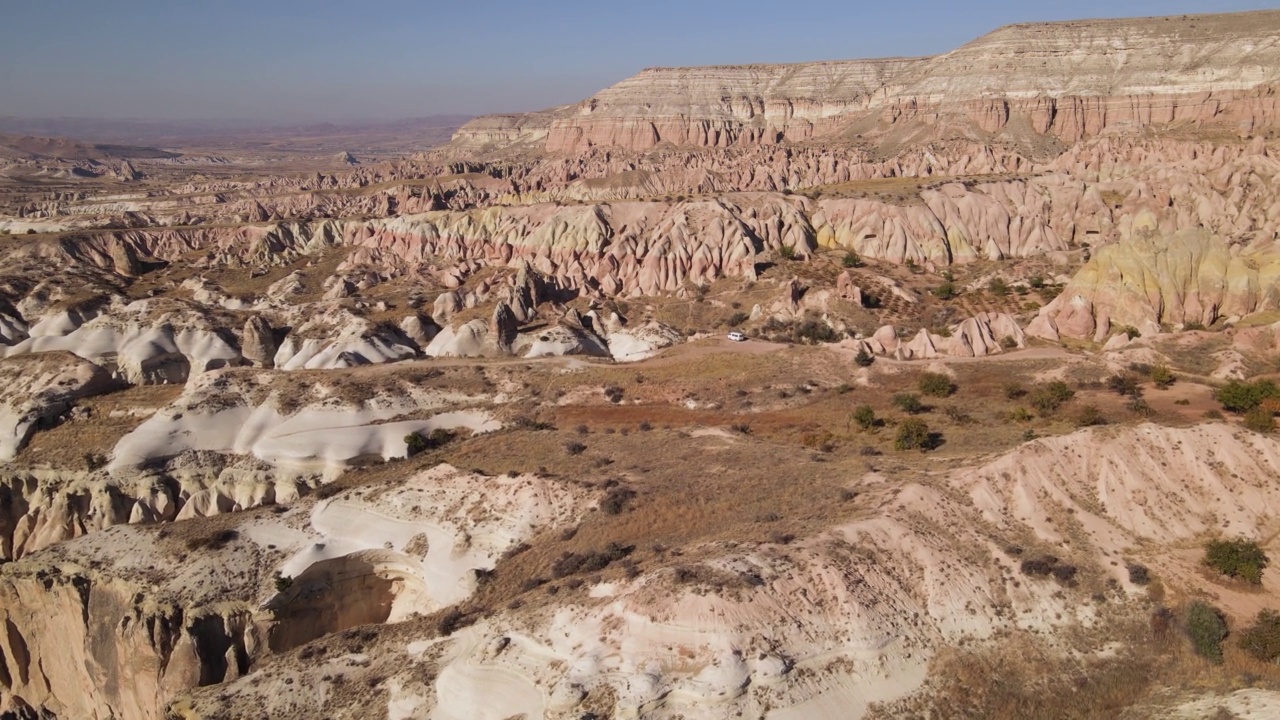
737	336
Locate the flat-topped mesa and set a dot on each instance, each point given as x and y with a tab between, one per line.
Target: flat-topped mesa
1068	80
722	105
1080	78
510	130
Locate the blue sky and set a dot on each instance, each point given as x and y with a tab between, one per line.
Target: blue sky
285	60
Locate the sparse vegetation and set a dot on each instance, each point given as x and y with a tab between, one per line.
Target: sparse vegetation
575	563
851	260
1123	384
1019	415
1163	377
416	442
786	252
526	422
1050	396
1089	416
863	358
616	500
1013	391
1240	558
998	287
815	331
1260	420
945	291
574	448
1262	640
1046	565
1240	397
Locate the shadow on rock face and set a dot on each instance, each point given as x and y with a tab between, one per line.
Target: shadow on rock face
345	592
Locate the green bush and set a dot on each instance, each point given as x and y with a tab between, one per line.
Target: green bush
814	331
787	252
945	291
1050	396
913	434
908	403
865	416
936	385
863	358
998	287
283	582
1241	397
1206	629
1036	282
737	319
1262	641
851	260
1239	558
414	443
1260	421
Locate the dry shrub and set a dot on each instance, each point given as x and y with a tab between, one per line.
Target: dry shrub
1262	639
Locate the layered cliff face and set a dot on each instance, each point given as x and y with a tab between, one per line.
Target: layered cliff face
723	106
1063	80
84	644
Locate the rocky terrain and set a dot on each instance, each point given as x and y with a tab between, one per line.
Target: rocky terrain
458	434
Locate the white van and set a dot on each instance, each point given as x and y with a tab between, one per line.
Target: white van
737	336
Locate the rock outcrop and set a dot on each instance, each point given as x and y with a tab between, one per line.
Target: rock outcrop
258	342
1188	277
38	390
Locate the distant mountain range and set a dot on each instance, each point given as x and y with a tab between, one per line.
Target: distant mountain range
406	135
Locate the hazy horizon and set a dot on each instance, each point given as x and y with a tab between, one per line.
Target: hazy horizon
310	63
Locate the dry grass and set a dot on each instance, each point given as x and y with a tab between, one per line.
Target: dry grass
1128	667
82	444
